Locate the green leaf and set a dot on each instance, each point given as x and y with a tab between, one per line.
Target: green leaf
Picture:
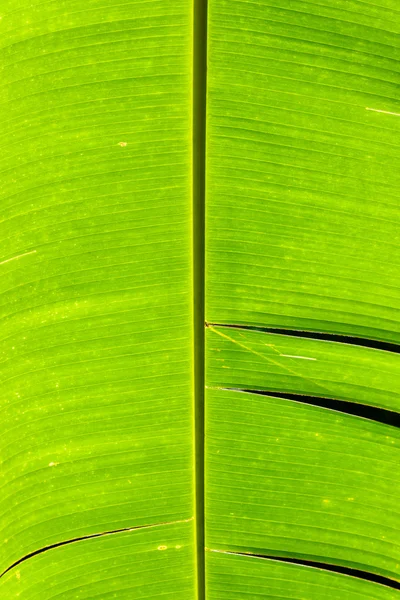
143	563
96	348
302	235
262	361
291	480
117	119
235	577
303	155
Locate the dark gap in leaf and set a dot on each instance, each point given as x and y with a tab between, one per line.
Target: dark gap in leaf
373	413
317	335
366	575
73	540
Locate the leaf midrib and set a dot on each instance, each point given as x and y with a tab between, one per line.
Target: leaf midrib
198	235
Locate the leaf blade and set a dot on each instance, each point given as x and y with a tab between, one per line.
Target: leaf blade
96	272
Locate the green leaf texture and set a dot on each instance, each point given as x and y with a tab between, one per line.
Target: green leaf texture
101	235
237	577
96	340
292	480
303	165
302	220
148	563
244	359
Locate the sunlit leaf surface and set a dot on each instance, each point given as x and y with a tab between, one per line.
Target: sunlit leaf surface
237	577
302	234
95	246
101	191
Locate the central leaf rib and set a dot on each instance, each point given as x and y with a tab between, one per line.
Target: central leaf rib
198	195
